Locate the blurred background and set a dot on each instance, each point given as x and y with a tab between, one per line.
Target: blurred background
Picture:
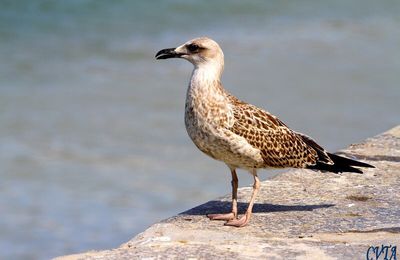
93	147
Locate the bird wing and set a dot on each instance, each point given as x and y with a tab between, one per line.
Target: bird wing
279	146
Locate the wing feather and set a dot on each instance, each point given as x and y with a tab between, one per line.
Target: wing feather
280	147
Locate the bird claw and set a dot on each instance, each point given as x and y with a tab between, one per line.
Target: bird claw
227	216
238	222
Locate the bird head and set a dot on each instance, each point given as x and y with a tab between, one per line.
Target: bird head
198	51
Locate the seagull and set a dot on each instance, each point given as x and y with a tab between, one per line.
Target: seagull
239	134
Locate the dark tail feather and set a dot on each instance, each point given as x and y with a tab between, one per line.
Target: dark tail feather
341	164
343	160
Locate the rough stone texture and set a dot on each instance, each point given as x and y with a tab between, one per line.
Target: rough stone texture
300	214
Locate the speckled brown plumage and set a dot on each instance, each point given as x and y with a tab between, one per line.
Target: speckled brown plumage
239	134
280	147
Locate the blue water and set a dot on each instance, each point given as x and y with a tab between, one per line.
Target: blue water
92	144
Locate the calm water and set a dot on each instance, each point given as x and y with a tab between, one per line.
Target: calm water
92	143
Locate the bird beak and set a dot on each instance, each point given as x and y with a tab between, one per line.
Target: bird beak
168	53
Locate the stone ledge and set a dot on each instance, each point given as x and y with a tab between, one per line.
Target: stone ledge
299	214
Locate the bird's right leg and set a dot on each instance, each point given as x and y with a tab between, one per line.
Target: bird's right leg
233	214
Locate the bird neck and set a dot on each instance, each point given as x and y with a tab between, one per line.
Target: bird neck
206	99
206	79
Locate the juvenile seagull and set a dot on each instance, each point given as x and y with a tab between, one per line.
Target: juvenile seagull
239	134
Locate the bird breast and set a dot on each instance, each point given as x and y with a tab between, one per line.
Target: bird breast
207	114
208	118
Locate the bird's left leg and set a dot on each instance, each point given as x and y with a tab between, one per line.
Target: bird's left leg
233	214
245	219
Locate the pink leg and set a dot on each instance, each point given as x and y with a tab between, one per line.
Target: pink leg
246	218
233	214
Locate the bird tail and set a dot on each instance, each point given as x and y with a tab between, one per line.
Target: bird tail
340	164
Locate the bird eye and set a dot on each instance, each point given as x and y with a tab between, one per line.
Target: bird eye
193	47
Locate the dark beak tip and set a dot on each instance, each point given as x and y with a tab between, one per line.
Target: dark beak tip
159	55
166	54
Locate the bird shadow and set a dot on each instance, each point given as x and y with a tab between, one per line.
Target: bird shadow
216	206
